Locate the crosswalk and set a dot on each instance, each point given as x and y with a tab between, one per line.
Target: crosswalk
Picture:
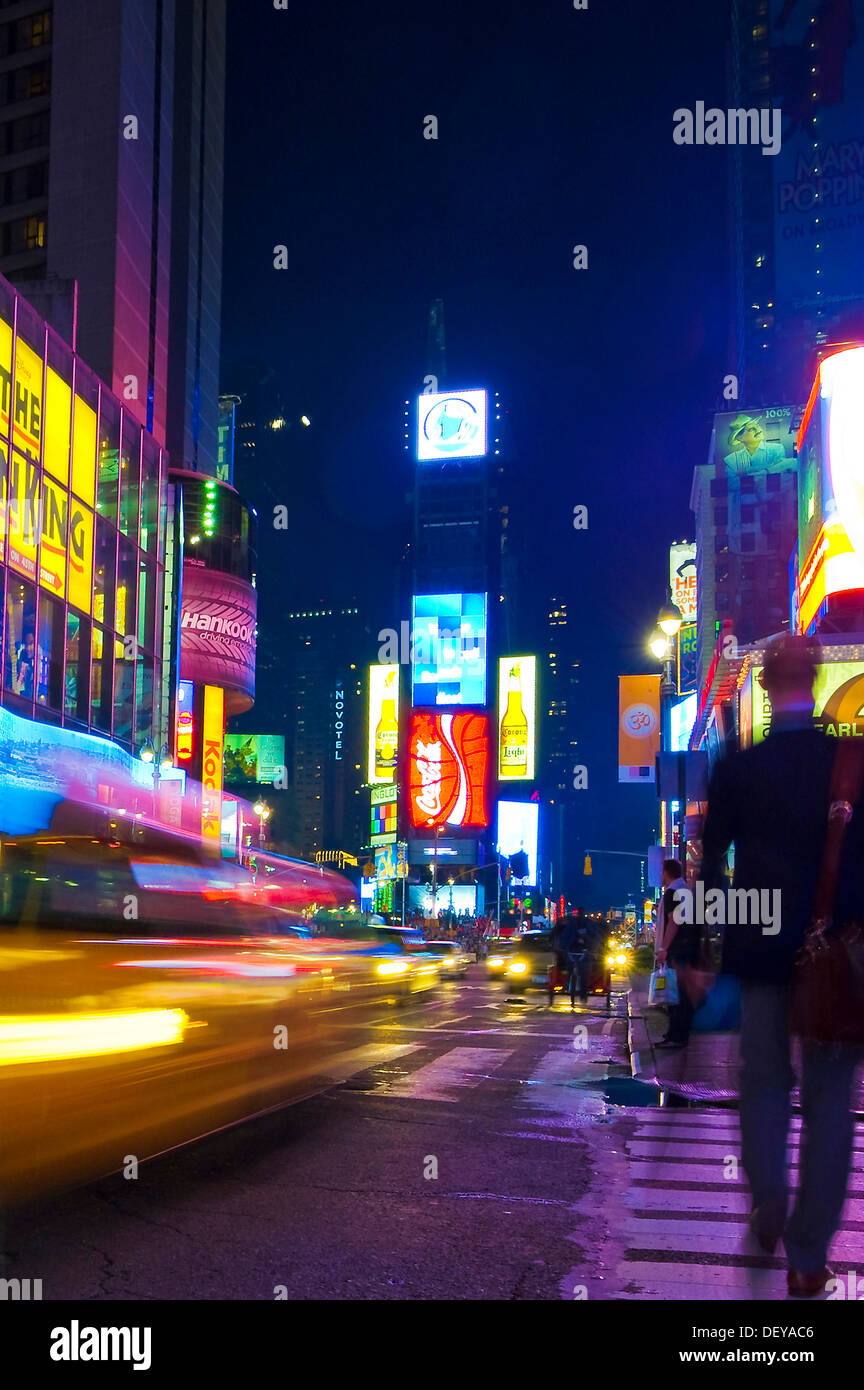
685	1231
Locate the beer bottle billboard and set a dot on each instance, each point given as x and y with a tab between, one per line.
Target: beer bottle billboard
513	749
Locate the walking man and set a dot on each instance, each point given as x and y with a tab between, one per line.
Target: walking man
771	802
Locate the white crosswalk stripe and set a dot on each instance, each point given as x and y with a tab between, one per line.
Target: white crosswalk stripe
455	1070
672	1213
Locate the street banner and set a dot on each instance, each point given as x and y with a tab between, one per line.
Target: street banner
638	727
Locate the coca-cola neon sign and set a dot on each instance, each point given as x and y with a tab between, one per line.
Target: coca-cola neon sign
448	761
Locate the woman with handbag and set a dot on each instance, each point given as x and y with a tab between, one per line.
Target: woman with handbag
791	806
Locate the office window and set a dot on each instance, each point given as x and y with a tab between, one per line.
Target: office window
748	513
721	516
721	544
748	541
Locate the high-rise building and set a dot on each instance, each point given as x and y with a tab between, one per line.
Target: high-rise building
796	260
111	133
324	722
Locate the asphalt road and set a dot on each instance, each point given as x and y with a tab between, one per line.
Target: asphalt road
461	1148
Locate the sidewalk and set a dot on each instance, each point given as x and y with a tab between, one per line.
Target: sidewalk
705	1070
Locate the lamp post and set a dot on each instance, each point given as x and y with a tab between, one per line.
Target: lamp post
160	763
263	812
662	646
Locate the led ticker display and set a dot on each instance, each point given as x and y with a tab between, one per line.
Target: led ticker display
518	823
448	759
383	741
830	491
451	425
448	649
517	718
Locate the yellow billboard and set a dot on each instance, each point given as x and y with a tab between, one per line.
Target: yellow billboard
383	746
213	738
517	718
838	702
53	445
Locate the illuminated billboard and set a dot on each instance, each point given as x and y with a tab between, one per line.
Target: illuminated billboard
213	730
217	634
838	695
448	649
754	441
383	741
385	816
682	579
517	718
830	489
451	425
817	170
518	824
448	759
638	727
69	449
254	758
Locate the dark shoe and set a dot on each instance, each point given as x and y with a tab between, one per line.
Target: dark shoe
767	1224
670	1044
808	1285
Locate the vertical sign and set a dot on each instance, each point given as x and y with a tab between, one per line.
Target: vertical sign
638	727
682	579
383	723
517	722
211	763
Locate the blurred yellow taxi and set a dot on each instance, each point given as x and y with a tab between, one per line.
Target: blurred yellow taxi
147	997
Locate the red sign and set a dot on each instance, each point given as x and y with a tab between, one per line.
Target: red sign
448	757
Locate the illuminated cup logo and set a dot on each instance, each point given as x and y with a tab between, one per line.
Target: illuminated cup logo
639	721
452	425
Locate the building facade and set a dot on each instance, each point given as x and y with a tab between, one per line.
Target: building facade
87	545
126	101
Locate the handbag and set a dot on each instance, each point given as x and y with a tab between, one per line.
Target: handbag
662	986
827	1002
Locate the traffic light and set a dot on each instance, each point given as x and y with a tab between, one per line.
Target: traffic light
587	870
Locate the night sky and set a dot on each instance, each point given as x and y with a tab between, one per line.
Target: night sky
555	128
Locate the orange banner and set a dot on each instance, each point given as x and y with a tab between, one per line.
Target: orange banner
639	728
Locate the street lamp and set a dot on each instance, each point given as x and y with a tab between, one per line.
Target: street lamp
263	812
669	619
662	647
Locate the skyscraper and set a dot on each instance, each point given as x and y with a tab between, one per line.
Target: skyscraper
111	125
796	215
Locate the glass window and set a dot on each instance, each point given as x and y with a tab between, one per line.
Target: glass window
77	699
748	541
146	603
150	508
107	485
127	569
101	683
105	573
19	649
130	484
50	643
143	701
124	688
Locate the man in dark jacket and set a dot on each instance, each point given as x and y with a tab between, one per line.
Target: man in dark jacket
771	802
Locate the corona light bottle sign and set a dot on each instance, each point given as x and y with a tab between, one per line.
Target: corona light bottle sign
516	702
387	730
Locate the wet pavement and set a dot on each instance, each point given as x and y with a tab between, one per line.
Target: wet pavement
467	1146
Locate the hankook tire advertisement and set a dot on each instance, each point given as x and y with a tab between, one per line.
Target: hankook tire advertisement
217	632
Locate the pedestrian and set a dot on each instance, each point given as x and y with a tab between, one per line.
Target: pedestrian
680	949
771	802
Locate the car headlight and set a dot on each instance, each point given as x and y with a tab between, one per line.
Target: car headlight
621	960
496	960
392	967
517	967
610	960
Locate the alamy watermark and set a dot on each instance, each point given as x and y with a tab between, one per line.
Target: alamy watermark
722	907
754	126
438	646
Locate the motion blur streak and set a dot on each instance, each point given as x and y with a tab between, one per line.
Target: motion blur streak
48	1038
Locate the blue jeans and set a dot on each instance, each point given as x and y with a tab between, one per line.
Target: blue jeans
827	1075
